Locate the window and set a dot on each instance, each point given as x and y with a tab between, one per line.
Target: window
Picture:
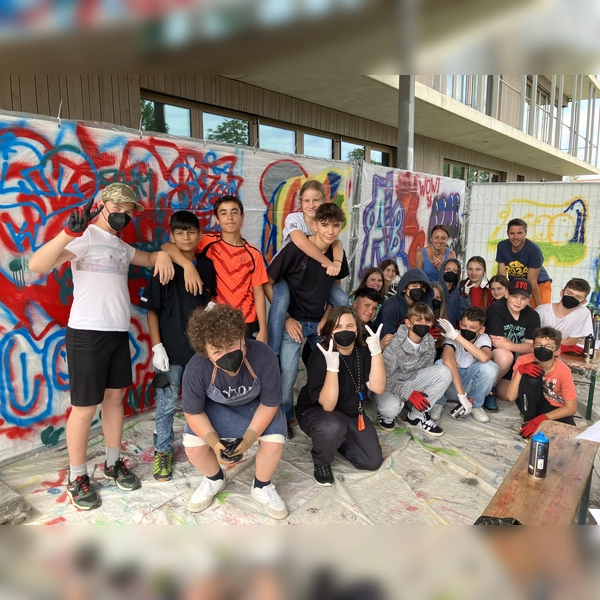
470	173
320	147
165	118
378	157
277	138
520	177
225	129
477	175
352	152
454	170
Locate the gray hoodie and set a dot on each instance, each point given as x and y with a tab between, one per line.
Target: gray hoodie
402	360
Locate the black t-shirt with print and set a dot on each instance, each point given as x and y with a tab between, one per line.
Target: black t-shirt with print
499	321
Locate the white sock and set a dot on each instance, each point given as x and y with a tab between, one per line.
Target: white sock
78	471
415	414
112	455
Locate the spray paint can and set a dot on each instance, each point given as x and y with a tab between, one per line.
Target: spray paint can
460	410
538	455
589	347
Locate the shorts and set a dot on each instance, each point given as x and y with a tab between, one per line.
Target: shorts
251	330
97	360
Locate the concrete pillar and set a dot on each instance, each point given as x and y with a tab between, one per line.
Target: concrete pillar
406	122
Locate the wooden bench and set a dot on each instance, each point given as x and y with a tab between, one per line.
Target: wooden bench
588	368
553	500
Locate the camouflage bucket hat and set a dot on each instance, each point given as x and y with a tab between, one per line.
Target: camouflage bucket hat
119	193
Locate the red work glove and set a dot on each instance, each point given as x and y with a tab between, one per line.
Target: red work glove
531	427
435	332
574	349
531	369
419	400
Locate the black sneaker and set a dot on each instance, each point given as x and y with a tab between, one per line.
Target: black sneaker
490	403
323	475
426	424
290	431
163	469
82	493
387	424
122	476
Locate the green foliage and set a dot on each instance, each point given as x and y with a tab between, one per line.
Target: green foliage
356	154
233	131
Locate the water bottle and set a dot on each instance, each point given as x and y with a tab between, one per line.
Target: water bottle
589	347
538	455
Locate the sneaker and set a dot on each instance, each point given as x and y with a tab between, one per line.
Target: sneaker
479	415
323	475
82	493
122	476
426	424
386	424
436	412
202	498
274	506
490	404
163	469
290	431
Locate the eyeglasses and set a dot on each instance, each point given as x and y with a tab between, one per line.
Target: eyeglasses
551	348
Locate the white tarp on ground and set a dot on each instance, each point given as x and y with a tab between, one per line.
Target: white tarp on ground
423	480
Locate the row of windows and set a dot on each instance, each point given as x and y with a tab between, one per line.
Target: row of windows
235	129
470	173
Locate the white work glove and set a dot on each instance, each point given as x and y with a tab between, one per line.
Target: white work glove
467	404
160	360
449	331
467	288
332	358
373	340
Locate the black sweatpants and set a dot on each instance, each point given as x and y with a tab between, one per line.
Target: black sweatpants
331	431
532	402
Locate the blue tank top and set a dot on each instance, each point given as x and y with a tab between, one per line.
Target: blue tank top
432	273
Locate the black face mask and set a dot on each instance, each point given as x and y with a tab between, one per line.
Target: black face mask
344	338
415	294
118	221
468	335
543	354
569	301
231	361
436	304
450	277
421	330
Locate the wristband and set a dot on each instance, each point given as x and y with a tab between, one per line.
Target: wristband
72	233
336	260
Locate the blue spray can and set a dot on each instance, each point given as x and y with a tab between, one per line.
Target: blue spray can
538	455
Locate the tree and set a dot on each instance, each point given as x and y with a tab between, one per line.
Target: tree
355	154
234	131
153	116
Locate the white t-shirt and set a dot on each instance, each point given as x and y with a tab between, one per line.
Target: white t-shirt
294	222
464	358
576	324
100	294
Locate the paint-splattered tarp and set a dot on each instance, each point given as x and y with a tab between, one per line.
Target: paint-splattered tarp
423	480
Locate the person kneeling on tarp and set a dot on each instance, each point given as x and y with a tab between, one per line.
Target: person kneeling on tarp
340	371
541	385
232	398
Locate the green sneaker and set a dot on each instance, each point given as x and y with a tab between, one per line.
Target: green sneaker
163	469
82	493
122	476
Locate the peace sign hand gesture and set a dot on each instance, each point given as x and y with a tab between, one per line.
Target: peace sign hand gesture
80	219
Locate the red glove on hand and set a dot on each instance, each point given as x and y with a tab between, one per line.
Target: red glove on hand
419	400
531	427
530	369
574	349
435	332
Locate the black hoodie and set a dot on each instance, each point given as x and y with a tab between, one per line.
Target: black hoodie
393	311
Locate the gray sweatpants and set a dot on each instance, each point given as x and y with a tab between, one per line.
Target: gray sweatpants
433	381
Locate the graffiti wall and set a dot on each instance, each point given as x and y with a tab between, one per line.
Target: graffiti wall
561	219
46	171
397	211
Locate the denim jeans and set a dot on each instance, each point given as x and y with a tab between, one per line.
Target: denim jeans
289	361
477	380
166	403
432	380
279	305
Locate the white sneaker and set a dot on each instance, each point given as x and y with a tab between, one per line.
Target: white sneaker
203	496
435	412
274	506
480	415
